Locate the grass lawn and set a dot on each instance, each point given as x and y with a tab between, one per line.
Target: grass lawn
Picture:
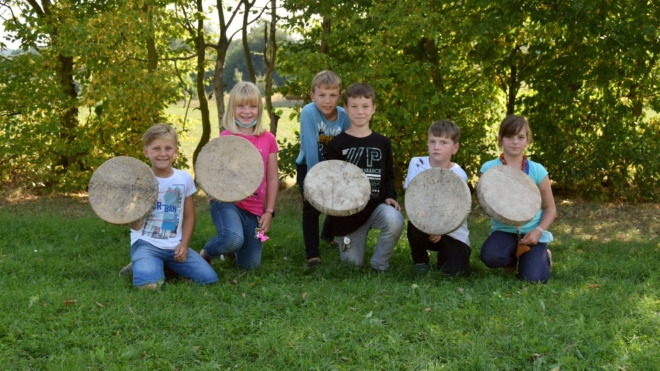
64	306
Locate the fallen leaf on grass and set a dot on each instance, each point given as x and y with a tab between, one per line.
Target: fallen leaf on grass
427	309
460	289
251	284
144	354
594	285
579	251
233	282
536	356
304	296
69	302
99	305
352	308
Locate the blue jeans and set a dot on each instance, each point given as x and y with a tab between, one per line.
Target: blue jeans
235	228
499	251
149	263
390	223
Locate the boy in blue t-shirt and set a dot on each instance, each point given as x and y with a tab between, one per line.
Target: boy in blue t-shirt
320	121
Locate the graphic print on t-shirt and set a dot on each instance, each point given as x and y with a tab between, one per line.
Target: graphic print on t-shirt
326	134
163	221
368	159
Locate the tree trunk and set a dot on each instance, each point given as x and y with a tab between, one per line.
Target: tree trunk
200	45
270	55
246	46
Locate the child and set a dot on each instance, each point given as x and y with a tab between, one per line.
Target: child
499	250
320	121
372	153
160	241
237	223
453	248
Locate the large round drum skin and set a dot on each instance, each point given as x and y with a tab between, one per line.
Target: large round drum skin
229	168
337	188
122	190
438	201
508	195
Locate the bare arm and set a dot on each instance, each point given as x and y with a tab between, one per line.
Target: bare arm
181	252
272	188
549	213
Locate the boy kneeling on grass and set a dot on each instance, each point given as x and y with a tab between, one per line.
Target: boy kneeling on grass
160	241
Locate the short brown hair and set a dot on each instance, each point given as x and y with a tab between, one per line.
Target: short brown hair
328	79
159	131
445	128
360	90
512	125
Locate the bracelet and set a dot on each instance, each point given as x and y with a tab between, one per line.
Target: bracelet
271	211
540	229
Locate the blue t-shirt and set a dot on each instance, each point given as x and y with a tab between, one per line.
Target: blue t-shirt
316	132
537	172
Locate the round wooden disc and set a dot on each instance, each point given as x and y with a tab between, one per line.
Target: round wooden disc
437	201
337	188
123	189
229	168
508	195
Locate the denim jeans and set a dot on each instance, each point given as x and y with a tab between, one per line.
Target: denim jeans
453	255
235	228
390	223
149	263
499	251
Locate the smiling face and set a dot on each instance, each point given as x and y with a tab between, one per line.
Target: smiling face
359	111
246	112
326	99
441	148
161	153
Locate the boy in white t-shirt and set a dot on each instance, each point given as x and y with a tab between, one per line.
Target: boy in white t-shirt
160	241
453	248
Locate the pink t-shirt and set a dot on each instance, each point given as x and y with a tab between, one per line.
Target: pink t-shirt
266	144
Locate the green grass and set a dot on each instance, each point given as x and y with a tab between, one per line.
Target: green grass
64	306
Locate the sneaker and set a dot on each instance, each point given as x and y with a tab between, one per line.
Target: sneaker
313	262
422	267
202	253
550	258
126	270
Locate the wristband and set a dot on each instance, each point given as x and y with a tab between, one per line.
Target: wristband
271	211
540	229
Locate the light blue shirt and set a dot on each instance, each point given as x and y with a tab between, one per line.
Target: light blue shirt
316	131
537	172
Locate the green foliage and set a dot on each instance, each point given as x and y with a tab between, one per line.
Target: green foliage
118	89
585	74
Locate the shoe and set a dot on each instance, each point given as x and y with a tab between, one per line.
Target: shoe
202	253
422	267
550	258
313	262
126	270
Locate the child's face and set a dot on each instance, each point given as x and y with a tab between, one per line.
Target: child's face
441	148
326	99
246	112
360	110
161	152
514	145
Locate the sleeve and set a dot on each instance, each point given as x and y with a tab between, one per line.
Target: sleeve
411	173
190	184
309	137
272	143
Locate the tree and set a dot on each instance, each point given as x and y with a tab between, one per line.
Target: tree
584	74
